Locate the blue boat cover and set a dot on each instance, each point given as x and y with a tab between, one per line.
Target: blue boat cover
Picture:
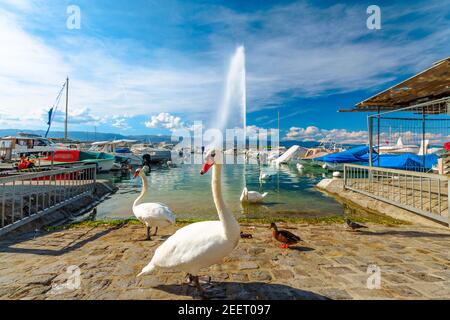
123	150
402	161
408	161
347	156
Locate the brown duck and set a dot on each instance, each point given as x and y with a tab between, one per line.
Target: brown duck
353	225
285	237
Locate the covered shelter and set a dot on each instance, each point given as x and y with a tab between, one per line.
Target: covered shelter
409	126
429	87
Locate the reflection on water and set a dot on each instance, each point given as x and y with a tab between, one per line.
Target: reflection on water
291	193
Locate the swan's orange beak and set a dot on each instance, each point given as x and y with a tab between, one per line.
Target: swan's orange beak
206	167
136	174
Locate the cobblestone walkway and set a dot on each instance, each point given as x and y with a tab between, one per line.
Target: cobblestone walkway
331	263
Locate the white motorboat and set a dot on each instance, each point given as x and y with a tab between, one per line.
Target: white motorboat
398	148
159	154
156	154
119	149
12	147
326	147
293	152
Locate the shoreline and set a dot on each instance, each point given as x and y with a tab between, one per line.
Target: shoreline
338	219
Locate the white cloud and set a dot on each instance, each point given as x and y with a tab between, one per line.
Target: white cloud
6	119
344	136
82	116
436	136
28	120
261	133
313	133
120	123
18	4
165	120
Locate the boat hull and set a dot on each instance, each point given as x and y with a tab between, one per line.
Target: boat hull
103	161
160	155
103	165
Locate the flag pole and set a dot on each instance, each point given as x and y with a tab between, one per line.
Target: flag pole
67	109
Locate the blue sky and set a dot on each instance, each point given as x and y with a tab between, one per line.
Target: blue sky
146	67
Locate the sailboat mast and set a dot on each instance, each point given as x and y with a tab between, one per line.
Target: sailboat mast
67	109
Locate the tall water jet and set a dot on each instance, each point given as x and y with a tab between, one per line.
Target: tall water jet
233	109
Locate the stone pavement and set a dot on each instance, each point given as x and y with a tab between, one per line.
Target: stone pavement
414	263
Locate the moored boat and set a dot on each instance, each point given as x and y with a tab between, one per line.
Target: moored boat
156	154
119	149
12	147
325	148
103	161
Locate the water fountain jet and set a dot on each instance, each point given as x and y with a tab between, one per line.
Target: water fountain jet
234	101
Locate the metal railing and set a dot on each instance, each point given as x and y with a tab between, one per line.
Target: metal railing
423	193
25	197
418	131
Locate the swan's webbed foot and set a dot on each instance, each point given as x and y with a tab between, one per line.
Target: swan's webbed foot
205	279
148	238
194	281
189	279
200	290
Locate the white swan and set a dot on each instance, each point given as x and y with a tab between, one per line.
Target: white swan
151	214
200	245
252	196
300	167
265	176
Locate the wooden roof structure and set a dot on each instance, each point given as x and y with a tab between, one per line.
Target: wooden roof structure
426	87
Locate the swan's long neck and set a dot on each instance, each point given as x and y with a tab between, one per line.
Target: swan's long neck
144	191
230	225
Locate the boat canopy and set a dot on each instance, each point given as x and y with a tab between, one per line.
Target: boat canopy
89	155
124	141
99	143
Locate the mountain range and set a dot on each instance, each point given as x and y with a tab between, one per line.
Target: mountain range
83	136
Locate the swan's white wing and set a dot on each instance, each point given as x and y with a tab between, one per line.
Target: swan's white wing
254	195
193	247
154	211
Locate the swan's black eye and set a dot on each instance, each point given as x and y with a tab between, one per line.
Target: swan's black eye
213	154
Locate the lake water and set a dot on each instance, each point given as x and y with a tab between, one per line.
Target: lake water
188	194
